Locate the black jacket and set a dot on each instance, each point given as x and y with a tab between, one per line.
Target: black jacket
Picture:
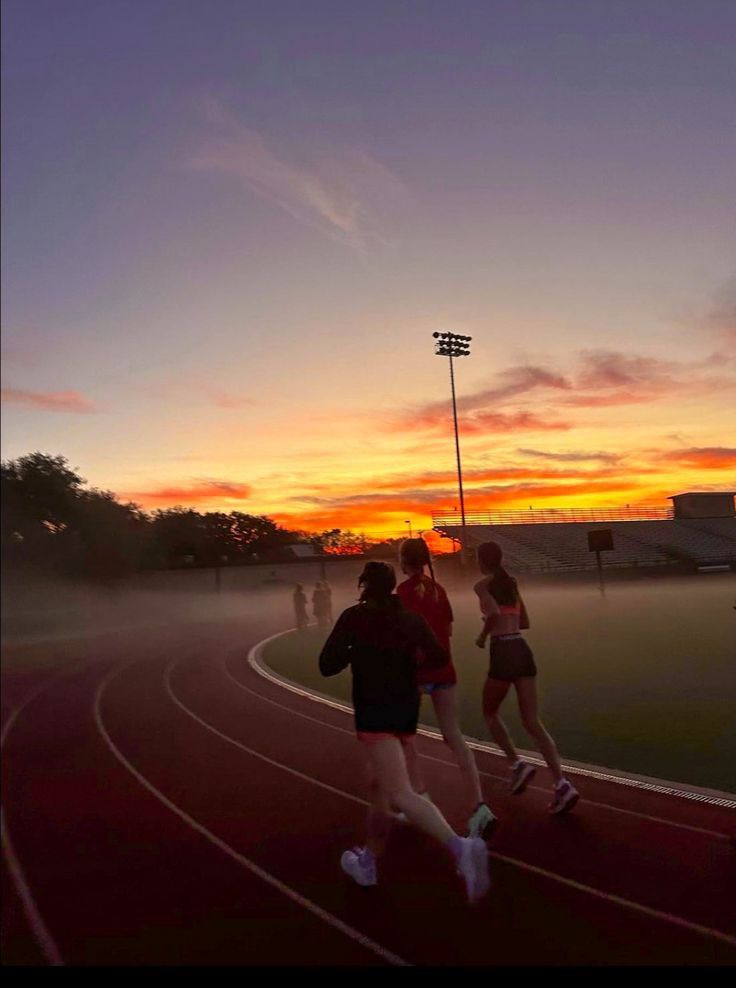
380	642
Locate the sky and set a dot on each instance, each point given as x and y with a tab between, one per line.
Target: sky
231	228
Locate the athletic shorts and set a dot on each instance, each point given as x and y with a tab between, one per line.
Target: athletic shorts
429	688
371	737
510	658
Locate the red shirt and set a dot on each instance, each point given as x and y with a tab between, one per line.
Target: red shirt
420	596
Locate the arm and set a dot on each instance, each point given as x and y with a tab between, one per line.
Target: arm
335	654
490	612
488	624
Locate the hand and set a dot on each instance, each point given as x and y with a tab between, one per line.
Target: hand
480	641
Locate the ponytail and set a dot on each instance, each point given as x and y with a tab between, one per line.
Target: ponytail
415	553
503	587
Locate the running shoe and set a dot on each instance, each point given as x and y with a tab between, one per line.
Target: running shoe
482	823
472	865
363	874
566	796
521	775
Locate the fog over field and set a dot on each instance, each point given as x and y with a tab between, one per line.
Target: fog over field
641	679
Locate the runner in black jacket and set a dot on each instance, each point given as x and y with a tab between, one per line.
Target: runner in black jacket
378	639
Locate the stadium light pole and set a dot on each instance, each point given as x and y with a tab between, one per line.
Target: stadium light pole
453	345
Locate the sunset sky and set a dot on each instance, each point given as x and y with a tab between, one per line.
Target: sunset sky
231	228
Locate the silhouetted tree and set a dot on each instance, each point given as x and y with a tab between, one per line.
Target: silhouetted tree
336	541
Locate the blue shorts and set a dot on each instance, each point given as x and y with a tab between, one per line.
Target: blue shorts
429	688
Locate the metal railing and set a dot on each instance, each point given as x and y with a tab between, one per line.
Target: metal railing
546	516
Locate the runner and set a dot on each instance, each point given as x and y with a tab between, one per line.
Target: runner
421	594
300	607
379	640
512	662
321	606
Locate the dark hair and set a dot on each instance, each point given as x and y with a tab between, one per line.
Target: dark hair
415	553
377	581
502	586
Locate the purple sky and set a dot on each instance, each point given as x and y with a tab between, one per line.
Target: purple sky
231	227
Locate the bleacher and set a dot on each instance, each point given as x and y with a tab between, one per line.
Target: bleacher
542	546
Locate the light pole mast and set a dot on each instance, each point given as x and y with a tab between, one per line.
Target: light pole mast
452	345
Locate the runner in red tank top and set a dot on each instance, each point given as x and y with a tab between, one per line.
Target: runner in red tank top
422	595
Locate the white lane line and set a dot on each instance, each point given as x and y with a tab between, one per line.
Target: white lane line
441	761
35	920
256	661
240	859
243	747
534	869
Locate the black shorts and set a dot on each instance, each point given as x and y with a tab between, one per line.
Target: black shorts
510	659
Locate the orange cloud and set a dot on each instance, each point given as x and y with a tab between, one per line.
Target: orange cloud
483	421
383	512
225	399
572	456
607	401
602	378
204	492
702	457
50	401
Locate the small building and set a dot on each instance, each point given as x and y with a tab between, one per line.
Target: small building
704	504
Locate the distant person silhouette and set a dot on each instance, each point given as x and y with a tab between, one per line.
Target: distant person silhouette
321	607
512	662
300	607
328	597
421	594
379	640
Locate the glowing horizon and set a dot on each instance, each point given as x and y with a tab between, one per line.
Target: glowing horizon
228	249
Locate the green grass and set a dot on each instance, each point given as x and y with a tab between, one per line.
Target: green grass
641	681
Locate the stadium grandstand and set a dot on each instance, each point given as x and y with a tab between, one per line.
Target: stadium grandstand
698	530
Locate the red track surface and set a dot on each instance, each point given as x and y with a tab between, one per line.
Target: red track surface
164	804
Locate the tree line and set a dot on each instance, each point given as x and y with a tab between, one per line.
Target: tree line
52	520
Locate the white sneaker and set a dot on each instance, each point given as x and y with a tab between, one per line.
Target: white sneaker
565	798
482	823
362	874
521	774
473	866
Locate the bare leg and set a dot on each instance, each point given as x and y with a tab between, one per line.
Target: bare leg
526	692
445	706
389	767
414	769
494	693
379	819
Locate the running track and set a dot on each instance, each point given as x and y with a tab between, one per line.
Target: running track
165	804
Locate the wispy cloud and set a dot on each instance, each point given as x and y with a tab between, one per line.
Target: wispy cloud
598	379
50	401
195	493
342	194
486	422
574	456
702	457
